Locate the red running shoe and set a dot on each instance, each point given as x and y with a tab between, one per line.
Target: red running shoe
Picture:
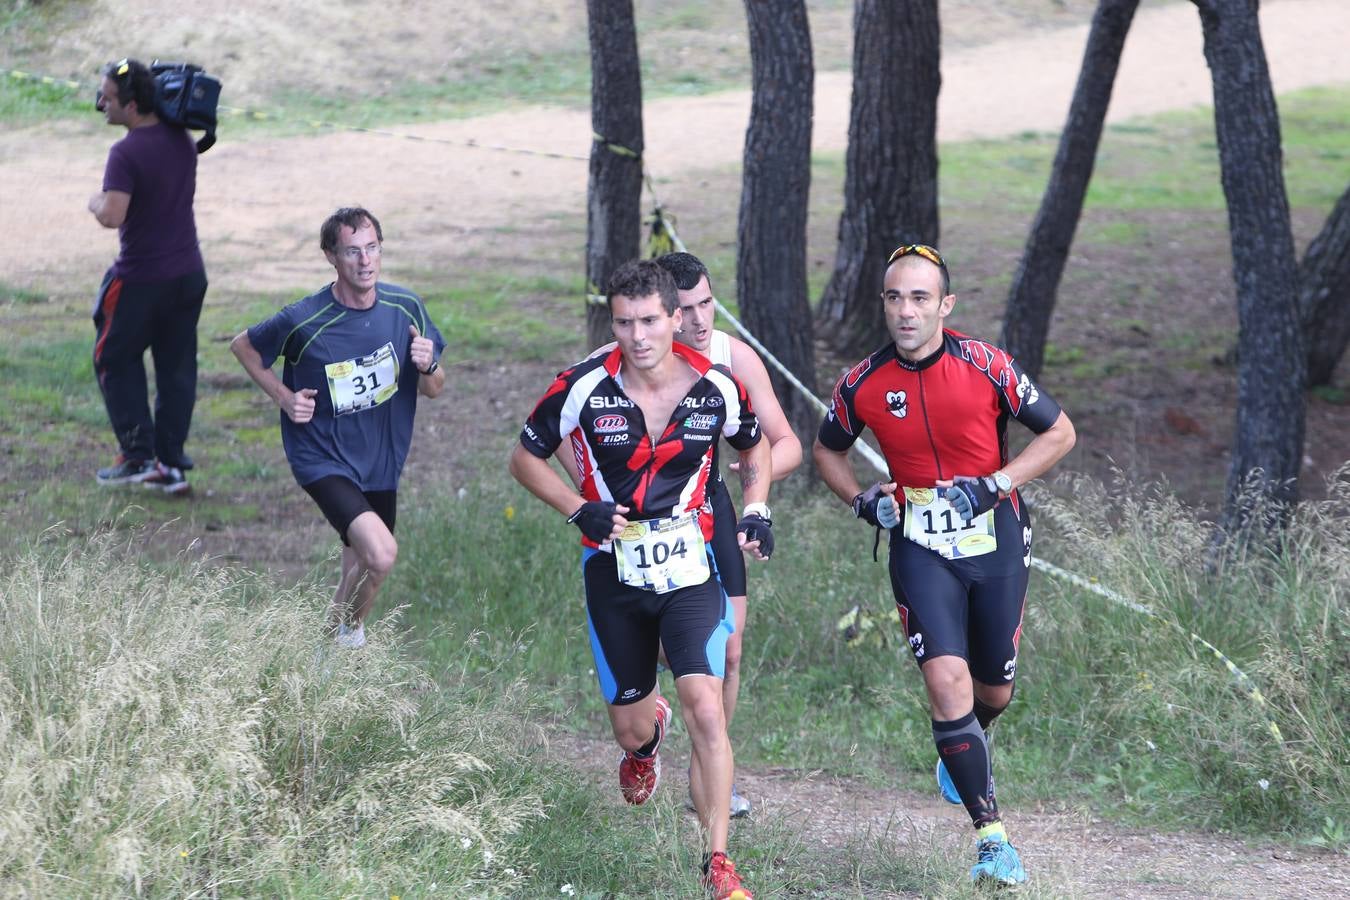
639	777
721	880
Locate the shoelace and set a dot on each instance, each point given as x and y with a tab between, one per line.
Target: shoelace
989	851
722	870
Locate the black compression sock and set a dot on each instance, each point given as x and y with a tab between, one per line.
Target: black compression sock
647	749
961	747
986	714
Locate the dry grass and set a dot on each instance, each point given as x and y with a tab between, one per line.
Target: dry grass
195	734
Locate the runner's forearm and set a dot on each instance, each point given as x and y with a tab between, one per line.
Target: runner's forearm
836	471
1044	450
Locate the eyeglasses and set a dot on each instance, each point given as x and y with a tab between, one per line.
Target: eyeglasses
923	250
355	253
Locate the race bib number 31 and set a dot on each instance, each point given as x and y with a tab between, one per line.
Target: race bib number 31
932	522
364	382
662	554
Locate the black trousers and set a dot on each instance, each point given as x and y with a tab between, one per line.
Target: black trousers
161	317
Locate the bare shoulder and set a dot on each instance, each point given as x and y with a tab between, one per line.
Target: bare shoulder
744	360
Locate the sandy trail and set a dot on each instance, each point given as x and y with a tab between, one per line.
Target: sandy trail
259	201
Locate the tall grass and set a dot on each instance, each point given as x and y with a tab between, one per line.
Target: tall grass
193	734
1113	709
1154	718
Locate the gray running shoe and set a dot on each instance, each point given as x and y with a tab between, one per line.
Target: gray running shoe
740	806
126	471
349	638
169	480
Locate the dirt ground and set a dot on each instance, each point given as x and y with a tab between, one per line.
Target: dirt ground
446	200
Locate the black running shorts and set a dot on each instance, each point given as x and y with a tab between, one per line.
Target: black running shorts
342	501
971	608
627	623
726	548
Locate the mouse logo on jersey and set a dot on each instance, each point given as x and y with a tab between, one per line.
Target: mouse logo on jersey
897	403
1010	669
1026	542
1026	391
610	424
916	644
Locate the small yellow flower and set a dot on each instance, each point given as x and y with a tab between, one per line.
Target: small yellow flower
183	854
510	513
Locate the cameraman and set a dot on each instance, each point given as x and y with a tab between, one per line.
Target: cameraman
152	295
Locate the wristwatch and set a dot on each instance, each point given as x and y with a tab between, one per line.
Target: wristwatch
431	370
1003	482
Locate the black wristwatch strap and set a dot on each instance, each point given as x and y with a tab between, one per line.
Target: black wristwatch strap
435	364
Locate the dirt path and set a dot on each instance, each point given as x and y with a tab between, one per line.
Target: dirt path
445	201
1067	854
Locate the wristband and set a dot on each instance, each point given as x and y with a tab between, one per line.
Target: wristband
757	509
431	370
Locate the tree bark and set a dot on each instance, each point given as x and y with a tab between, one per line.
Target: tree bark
1272	359
614	193
890	180
1324	294
1031	299
771	251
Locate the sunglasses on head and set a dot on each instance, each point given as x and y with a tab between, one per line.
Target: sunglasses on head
923	250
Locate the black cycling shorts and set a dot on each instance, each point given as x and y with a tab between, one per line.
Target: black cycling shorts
971	608
725	547
627	624
342	501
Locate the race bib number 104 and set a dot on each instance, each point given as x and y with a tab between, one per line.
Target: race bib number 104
662	554
934	523
364	382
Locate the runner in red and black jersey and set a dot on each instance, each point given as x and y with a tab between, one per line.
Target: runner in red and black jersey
938	403
643	421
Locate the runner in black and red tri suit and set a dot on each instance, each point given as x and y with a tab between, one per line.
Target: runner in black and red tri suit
643	421
960	550
696	331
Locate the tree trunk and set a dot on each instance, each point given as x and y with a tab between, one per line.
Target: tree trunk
1031	299
1324	294
1272	361
614	194
771	251
890	179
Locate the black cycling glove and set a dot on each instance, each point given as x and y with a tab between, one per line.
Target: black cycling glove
971	497
876	508
595	518
757	528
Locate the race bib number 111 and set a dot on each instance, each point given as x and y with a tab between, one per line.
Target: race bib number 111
934	523
364	382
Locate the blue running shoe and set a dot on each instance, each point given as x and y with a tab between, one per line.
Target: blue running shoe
946	787
998	861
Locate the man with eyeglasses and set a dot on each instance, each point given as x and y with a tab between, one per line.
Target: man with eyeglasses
960	535
152	295
357	354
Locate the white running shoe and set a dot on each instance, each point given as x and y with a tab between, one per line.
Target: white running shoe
350	638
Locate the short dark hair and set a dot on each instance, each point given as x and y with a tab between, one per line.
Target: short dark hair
685	268
134	82
351	216
643	278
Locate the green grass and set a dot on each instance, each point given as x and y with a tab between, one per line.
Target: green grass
1164	162
1113	708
